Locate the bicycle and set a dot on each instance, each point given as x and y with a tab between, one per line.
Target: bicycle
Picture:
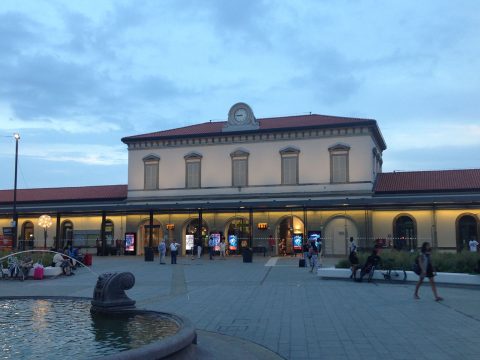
397	275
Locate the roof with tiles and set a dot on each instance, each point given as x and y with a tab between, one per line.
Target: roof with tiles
85	193
428	181
266	124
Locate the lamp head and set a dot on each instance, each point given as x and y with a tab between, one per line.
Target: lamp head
16	136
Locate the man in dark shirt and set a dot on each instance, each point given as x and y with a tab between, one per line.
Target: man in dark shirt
373	261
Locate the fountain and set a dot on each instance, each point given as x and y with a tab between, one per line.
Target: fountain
107	326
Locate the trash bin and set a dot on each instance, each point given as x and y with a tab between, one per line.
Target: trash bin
148	253
247	255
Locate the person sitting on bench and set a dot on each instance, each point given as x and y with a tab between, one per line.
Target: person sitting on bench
371	264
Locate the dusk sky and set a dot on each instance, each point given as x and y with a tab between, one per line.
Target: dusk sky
77	76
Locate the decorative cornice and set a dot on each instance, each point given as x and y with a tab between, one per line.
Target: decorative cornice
255	137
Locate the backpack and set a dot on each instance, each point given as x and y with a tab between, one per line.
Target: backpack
416	266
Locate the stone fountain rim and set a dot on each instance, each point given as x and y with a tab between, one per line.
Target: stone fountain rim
159	349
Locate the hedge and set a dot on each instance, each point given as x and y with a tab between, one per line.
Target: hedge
464	262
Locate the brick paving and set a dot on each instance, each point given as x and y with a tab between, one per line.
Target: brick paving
288	311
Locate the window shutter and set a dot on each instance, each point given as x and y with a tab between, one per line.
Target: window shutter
193	174
151	176
289	176
339	168
239	172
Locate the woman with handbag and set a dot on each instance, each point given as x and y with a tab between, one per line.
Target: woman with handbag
426	270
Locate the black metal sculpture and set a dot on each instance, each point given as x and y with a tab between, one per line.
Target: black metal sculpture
109	293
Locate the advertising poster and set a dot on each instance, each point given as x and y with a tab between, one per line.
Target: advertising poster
232	242
6	242
216	241
189	241
297	240
316	237
130	243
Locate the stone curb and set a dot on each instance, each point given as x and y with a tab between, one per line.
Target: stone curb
440	278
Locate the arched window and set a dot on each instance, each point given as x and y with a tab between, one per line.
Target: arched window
66	234
27	235
239	229
405	233
109	231
191	229
466	230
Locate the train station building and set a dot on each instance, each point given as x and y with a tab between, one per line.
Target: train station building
248	180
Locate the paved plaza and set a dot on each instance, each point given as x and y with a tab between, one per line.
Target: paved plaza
272	309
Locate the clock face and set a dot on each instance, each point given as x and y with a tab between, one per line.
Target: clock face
240	116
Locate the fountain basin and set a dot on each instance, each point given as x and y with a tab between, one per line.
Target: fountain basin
36	327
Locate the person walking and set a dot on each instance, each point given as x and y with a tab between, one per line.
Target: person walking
211	247
162	250
199	249
222	249
306	254
354	264
426	270
352	247
174	251
314	253
473	245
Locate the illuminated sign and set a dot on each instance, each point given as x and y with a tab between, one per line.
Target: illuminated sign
189	241
130	242
297	240
262	226
216	241
232	242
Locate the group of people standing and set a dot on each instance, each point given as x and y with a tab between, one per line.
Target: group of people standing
162	251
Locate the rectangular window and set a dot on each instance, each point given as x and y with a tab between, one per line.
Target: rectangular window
193	174
240	167
289	170
339	168
151	176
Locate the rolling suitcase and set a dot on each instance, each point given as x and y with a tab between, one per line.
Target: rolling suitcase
38	273
87	260
301	263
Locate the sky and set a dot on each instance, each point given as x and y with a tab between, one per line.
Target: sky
77	76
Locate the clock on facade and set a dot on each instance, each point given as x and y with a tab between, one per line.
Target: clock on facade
240	116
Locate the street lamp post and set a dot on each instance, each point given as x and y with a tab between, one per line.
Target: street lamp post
45	221
15	217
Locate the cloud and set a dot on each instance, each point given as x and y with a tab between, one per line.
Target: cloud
72	125
90	154
17	31
433	135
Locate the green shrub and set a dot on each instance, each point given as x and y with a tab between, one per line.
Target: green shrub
464	262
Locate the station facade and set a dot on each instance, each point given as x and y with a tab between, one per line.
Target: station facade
248	180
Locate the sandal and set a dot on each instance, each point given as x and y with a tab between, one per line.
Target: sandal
438	298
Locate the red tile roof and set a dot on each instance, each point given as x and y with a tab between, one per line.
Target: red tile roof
428	181
299	121
107	192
